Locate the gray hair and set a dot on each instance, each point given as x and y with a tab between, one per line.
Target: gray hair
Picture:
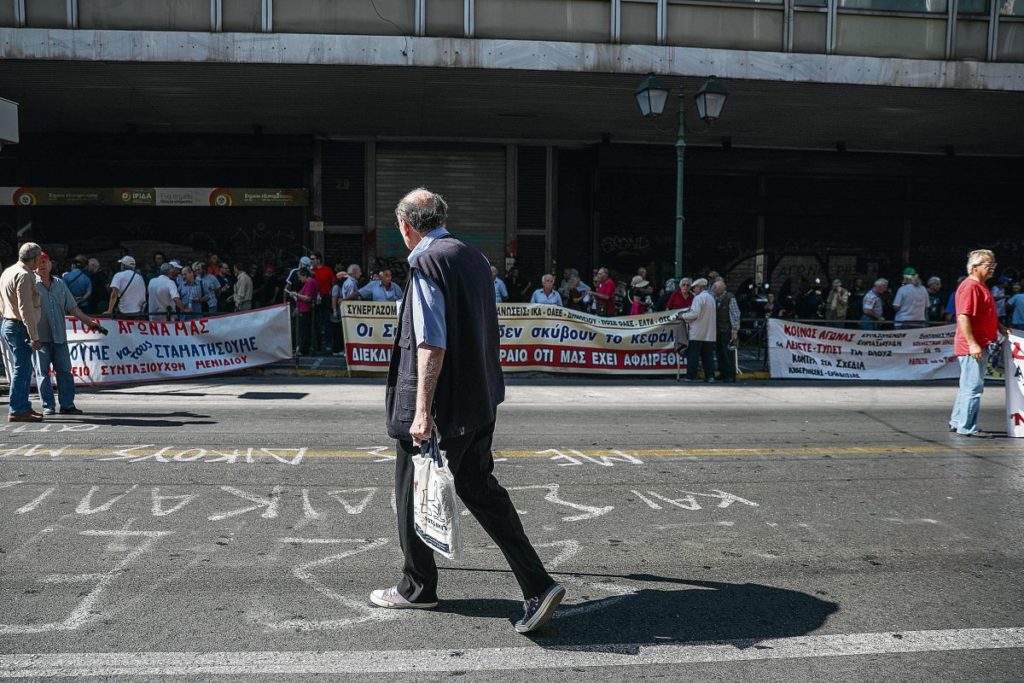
718	286
976	257
29	251
686	281
604	270
423	210
547	277
881	281
353	267
494	271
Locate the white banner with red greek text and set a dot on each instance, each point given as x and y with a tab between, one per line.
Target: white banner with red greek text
1013	348
800	351
538	337
140	350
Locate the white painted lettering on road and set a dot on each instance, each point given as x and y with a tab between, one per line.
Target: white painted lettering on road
271	504
360	505
85	506
85	611
587	511
159	508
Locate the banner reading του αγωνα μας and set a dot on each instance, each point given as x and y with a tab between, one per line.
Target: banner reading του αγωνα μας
144	350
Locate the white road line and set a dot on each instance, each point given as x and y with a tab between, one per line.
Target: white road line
502	658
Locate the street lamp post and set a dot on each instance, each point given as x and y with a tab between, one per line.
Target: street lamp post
651	96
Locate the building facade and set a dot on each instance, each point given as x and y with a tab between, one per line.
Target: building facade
859	136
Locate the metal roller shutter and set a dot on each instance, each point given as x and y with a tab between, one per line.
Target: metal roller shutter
472	180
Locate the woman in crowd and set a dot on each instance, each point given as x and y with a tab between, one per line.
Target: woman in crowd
682	297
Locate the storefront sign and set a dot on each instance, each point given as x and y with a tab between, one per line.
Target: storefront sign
137	351
537	337
814	352
153	196
1013	348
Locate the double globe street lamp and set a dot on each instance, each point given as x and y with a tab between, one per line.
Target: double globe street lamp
652	96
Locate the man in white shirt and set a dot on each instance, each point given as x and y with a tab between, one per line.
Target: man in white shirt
911	302
500	290
547	294
701	319
127	292
163	293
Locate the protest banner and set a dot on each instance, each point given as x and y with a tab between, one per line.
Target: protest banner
1013	354
801	351
537	337
139	350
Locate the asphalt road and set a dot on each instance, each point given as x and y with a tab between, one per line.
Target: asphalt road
231	530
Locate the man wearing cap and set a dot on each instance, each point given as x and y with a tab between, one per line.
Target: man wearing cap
57	302
700	317
127	292
291	281
164	299
21	308
911	302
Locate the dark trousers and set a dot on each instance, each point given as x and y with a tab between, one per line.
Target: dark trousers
724	356
304	330
700	353
470	460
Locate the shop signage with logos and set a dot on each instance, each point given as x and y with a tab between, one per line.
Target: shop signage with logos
154	196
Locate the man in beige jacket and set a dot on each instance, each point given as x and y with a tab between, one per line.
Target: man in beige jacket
21	309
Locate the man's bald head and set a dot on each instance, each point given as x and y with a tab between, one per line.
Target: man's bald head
423	210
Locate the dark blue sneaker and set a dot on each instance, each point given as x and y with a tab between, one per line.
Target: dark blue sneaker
539	610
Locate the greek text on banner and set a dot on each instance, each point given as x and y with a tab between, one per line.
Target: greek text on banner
800	351
538	337
140	350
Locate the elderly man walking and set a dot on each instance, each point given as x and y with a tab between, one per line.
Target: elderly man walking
977	326
445	377
21	309
701	319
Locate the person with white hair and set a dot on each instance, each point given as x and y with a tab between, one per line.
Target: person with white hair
547	294
977	326
500	290
21	308
127	292
871	308
935	302
838	301
700	317
911	302
350	286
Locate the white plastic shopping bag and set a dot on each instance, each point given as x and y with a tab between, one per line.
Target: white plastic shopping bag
435	503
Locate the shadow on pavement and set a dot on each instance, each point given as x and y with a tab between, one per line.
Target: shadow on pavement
141	419
705	611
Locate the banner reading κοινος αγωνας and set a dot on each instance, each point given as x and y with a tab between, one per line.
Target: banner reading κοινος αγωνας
800	351
538	337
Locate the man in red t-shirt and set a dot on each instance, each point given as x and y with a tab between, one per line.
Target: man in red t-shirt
325	278
976	327
604	292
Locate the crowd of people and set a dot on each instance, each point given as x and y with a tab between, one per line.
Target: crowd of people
166	288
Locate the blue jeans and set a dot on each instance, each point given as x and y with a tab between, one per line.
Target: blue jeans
15	335
59	356
968	400
868	323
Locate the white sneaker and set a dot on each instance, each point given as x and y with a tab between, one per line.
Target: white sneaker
49	411
390	598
